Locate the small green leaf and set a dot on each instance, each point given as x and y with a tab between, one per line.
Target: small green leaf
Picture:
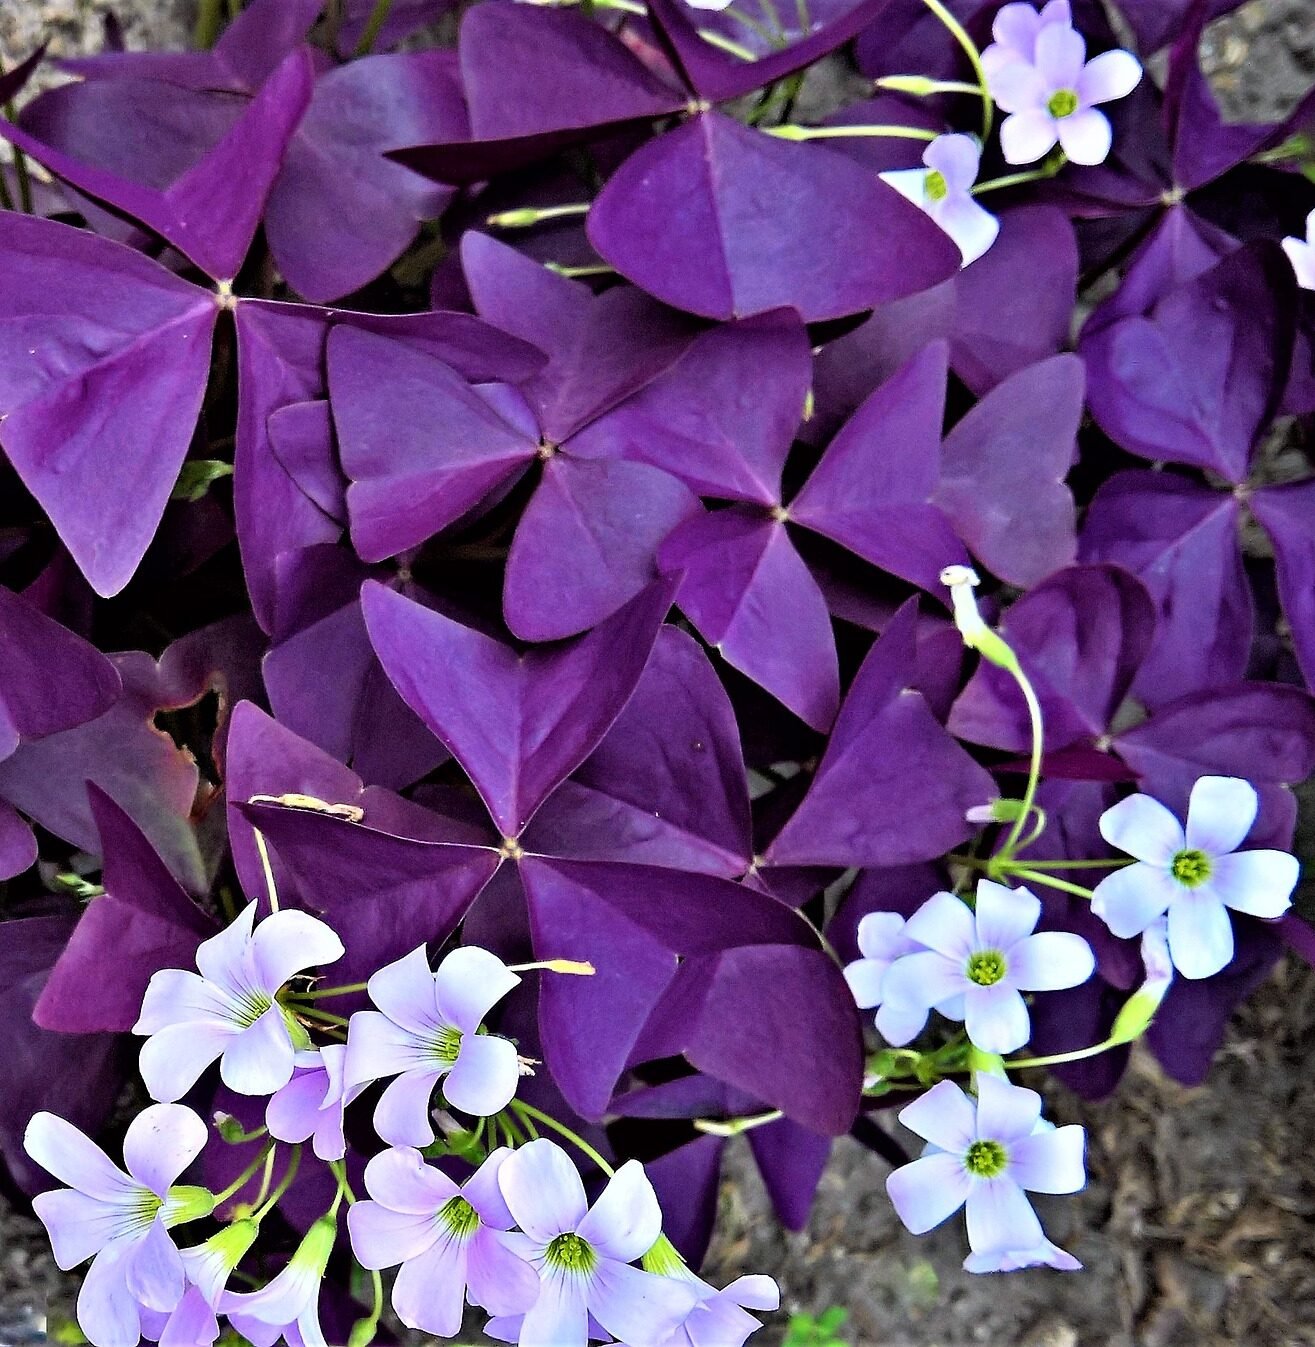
198	476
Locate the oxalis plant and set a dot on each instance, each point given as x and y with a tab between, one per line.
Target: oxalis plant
568	600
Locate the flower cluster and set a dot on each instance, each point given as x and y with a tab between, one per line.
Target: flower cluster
517	1238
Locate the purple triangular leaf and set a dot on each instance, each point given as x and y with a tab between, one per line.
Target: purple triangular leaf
892	787
1287	514
1181	540
1003	468
104	357
18	843
143	922
749	594
301	438
709	178
587	543
519	724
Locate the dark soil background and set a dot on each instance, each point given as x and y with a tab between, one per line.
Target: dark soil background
1198	1226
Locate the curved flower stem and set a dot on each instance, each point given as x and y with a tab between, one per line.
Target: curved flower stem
289	1175
1046	171
595	269
339	1169
525	1110
1112	864
347	989
315	1013
1037	877
271	889
715	39
789	131
1015	671
960	35
246	1175
1059	1058
735	1126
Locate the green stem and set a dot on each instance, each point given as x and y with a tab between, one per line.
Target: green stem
270	890
760	30
347	989
1015	671
209	20
1015	179
1111	864
715	39
960	35
324	1016
599	269
919	86
339	1168
1059	1058
246	1175
735	1126
561	1129
6	201
792	132
290	1174
373	25
1037	877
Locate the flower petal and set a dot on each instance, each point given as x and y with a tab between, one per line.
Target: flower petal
626	1220
293	1113
1005	1112
543	1190
1050	961
160	1143
259	1059
175	996
155	1270
72	1158
944	923
378	1046
289	941
558	1317
924	980
484	1077
1027	136
401	1180
1050	1161
1131	899
430	1291
910	183
499	1279
996	1018
107	1310
1111	75
881	936
1016	27
483	1193
404	991
1144	828
1019	89
929	1190
956	157
172	1061
972	227
79	1226
899	1024
223	958
1220	813
1061	54
469	983
1045	1255
639	1308
1259	883
1200	935
945	1116
865	977
382	1238
1086	136
1000	1217
401	1117
1004	916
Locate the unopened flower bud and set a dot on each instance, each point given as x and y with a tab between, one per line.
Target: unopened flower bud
961	581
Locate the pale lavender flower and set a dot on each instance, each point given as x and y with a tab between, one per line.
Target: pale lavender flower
426	1030
1016	29
943	189
451	1241
985	1155
231	1011
710	4
1053	98
1195	874
312	1103
289	1307
1301	253
975	965
209	1266
584	1254
120	1220
722	1318
1044	1254
881	941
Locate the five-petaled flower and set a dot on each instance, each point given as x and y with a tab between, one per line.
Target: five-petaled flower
311	1105
1016	28
231	1011
1194	873
1053	97
985	1155
882	940
426	1029
451	1241
944	190
120	1220
975	965
1301	253
584	1255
